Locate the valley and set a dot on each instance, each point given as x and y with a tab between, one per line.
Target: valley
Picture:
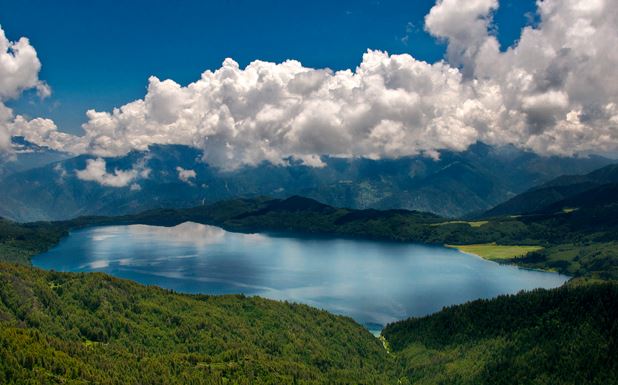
206	339
309	192
487	341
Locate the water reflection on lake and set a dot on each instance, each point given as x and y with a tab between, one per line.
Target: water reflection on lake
373	282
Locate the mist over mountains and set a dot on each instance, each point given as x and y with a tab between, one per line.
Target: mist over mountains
52	187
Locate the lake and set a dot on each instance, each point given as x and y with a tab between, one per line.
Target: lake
373	282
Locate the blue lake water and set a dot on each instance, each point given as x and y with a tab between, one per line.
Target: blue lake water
370	281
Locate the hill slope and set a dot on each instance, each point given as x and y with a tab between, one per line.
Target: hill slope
554	191
91	328
562	336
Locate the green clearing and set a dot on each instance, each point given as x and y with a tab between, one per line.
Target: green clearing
492	251
470	223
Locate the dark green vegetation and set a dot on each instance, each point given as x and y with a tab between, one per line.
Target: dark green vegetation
562	336
557	192
59	328
457	183
18	242
69	328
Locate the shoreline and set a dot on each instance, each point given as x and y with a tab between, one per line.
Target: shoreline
506	261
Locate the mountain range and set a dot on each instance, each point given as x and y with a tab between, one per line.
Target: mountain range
566	192
456	184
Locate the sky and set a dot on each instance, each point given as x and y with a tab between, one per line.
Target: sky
281	82
99	54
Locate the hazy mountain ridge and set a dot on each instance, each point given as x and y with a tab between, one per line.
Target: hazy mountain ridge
456	184
561	192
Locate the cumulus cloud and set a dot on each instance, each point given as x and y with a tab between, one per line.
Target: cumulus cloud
390	106
96	171
553	92
186	175
19	68
19	71
465	24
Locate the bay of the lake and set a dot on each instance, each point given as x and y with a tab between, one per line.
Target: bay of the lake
371	281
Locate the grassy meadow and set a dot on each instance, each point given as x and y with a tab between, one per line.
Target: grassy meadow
493	252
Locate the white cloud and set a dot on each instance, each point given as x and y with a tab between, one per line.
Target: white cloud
186	175
96	171
19	68
5	137
272	112
464	23
61	171
44	131
19	71
554	92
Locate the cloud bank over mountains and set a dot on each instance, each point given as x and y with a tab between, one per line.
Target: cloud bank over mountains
554	92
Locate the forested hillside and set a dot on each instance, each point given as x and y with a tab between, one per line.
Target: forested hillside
59	328
68	328
565	187
18	242
562	336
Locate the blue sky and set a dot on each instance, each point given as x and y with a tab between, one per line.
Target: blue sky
99	54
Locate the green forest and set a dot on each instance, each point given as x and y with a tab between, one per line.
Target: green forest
567	335
60	328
